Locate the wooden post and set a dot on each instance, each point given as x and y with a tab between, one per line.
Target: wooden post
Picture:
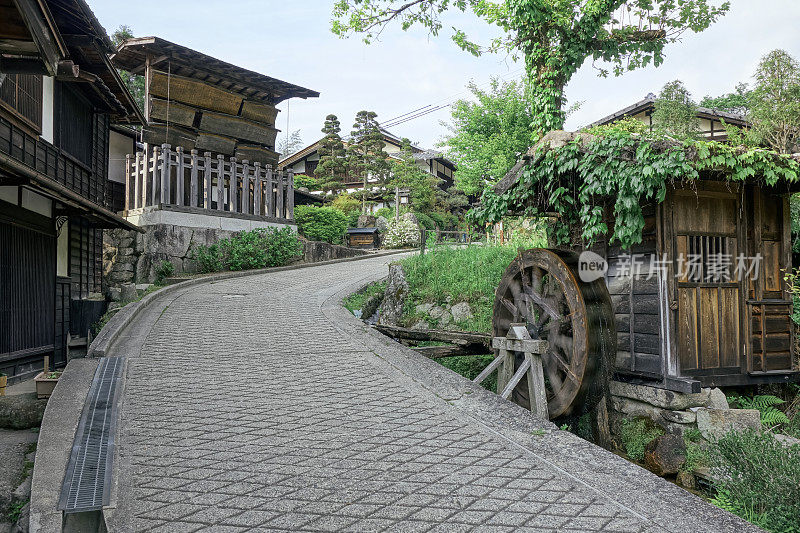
519	340
208	179
279	207
179	177
268	190
245	202
193	188
128	182
164	197
290	194
220	182
233	186
257	189
155	181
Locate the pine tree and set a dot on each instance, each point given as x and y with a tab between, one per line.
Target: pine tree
332	167
406	174
366	158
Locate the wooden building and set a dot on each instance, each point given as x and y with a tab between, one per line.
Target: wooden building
699	302
305	161
59	94
709	120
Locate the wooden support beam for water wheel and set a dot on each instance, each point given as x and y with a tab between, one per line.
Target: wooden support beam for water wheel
542	289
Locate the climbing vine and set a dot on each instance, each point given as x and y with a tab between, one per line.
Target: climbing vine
620	171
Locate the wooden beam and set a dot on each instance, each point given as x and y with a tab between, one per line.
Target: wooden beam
455	337
440	352
44	34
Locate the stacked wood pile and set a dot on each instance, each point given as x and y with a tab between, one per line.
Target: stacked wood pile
192	114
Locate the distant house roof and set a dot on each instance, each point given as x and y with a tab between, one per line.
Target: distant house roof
183	61
419	153
648	104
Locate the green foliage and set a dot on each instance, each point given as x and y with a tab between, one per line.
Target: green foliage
355	302
735	102
489	132
326	224
301	180
775	102
401	233
164	270
697	454
133	82
406	174
425	221
578	180
351	207
470	366
332	167
465	274
627	125
555	38
636	434
258	248
771	416
756	477
15	511
675	113
366	158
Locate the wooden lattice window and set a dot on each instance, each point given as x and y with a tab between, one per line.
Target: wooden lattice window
23	94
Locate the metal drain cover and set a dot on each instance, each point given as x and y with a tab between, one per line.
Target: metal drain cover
87	483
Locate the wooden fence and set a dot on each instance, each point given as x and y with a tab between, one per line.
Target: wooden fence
161	175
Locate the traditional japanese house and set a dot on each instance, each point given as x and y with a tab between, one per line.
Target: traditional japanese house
59	95
701	301
305	161
710	121
209	144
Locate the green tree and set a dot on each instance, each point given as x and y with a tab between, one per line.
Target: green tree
367	161
406	174
290	144
554	37
736	102
775	102
133	82
675	112
488	133
332	167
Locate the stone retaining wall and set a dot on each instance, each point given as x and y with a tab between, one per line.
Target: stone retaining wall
130	257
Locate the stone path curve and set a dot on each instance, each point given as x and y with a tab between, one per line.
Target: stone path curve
259	404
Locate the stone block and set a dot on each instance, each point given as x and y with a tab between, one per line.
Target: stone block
128	292
366	221
114	294
22	411
679	417
665	399
665	455
423	309
461	312
391	310
717	399
715	423
120	277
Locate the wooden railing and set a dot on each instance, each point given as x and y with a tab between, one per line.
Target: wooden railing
161	175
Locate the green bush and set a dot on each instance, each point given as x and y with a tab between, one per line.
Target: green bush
326	224
401	234
758	478
164	270
636	434
765	404
301	180
259	248
385	212
425	221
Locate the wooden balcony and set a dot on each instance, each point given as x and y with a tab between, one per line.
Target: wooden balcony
164	176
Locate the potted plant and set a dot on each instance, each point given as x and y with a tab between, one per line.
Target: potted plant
3	383
46	380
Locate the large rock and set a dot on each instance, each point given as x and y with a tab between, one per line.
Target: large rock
665	455
22	411
715	423
674	401
461	312
366	221
717	400
128	292
391	310
382	224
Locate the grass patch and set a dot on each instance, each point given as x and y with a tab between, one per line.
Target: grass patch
636	434
465	274
758	479
470	366
15	511
356	301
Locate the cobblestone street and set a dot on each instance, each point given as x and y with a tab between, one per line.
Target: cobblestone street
248	407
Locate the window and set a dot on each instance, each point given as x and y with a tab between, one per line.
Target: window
23	94
74	123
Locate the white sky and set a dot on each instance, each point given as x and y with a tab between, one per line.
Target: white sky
290	40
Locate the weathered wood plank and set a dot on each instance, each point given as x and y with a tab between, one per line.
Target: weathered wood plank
159	134
259	112
172	112
456	337
440	352
194	93
238	127
256	153
520	345
216	143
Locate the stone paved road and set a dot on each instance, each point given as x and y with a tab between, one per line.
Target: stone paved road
249	407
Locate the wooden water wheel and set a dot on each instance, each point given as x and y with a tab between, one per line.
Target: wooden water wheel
541	288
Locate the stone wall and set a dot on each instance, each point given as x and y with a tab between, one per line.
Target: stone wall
130	257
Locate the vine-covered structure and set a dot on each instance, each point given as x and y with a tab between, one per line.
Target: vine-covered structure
697	240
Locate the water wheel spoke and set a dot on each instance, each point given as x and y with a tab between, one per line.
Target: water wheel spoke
564	366
510	307
556	383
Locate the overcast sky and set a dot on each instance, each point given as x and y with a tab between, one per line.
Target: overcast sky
290	40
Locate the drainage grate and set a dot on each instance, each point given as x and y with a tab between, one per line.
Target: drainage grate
87	483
